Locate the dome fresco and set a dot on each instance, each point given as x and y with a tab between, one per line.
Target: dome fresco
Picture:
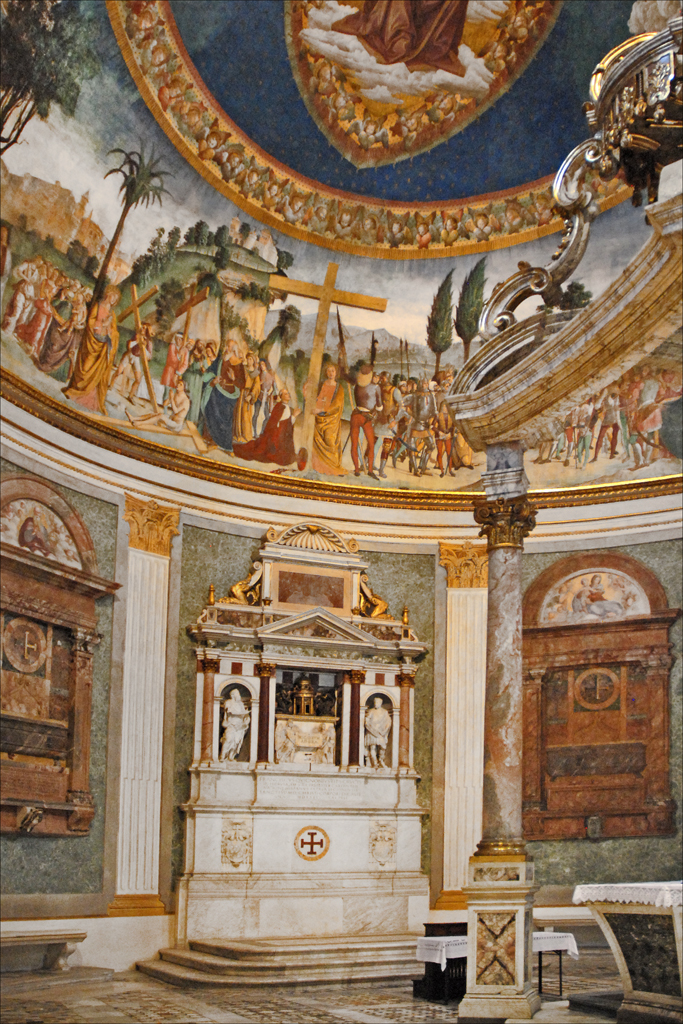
222	294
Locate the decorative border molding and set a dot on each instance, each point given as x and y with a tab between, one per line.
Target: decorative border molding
80	425
174	63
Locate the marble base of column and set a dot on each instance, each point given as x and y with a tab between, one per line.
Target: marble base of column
500	897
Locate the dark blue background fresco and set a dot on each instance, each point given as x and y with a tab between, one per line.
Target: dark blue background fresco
239	49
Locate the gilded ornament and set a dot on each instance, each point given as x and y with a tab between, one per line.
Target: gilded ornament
248	590
505	522
466	564
372	606
152	526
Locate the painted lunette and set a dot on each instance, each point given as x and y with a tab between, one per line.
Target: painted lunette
358	207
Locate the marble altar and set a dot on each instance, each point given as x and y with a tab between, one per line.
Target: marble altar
303	817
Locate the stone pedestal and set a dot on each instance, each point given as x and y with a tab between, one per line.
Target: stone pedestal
500	899
500	885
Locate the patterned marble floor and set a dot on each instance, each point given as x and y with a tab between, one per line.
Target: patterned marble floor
131	998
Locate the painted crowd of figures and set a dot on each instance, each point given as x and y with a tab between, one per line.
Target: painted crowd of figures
624	419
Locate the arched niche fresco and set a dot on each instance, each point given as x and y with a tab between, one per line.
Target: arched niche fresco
596	701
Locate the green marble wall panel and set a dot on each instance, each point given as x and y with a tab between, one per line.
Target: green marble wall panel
221	558
207	557
641	859
74	864
403	579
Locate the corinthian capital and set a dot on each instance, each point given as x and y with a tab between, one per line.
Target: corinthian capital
466	564
505	522
152	526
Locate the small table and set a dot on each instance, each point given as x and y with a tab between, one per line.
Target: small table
642	922
454	947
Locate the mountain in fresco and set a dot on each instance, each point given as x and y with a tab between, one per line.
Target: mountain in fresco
359	339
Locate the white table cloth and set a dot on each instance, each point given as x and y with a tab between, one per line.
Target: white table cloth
654	894
449	947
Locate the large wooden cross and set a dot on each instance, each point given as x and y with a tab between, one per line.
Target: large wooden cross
326	294
134	308
187	306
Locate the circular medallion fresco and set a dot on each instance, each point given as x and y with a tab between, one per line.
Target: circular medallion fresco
355	116
386	81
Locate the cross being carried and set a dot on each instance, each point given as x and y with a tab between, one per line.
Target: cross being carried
326	294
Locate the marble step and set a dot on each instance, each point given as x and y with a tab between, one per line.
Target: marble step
310	950
186	977
287	961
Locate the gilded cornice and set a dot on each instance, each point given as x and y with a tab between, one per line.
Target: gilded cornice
467	565
86	428
183	121
152	526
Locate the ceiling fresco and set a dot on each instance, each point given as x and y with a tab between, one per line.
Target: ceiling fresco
386	82
197	354
191	111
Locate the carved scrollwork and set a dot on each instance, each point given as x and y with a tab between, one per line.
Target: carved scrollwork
634	113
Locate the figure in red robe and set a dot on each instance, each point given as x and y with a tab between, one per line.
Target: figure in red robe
276	442
422	34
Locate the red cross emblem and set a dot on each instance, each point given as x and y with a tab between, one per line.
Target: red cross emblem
312	842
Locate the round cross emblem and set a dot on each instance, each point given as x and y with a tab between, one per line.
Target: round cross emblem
312	842
25	645
596	688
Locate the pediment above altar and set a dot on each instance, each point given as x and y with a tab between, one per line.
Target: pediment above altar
316	624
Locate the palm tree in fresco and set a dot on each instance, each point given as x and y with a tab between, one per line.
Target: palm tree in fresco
143	184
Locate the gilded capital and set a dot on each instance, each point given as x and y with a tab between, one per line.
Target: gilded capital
266	671
466	564
357	677
505	522
152	526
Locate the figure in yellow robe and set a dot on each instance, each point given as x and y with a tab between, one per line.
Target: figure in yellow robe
243	430
95	358
327	445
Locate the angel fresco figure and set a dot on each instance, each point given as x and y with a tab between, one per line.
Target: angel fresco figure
377	726
236	719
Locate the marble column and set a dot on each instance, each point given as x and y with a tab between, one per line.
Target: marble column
79	791
357	680
152	528
266	672
406	682
210	666
501	876
467	578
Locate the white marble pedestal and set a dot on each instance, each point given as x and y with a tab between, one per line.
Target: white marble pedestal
500	934
301	850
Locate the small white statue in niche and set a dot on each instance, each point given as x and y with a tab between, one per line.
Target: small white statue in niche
236	718
377	726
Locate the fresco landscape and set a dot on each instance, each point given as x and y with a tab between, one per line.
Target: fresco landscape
178	319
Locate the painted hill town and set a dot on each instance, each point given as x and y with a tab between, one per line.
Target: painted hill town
52	212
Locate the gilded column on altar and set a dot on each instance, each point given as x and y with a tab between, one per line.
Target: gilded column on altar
152	528
467	577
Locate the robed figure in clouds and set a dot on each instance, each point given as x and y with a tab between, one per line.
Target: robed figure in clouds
424	36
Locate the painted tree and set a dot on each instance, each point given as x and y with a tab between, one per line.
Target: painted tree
440	321
575	296
142	185
48	50
470	305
